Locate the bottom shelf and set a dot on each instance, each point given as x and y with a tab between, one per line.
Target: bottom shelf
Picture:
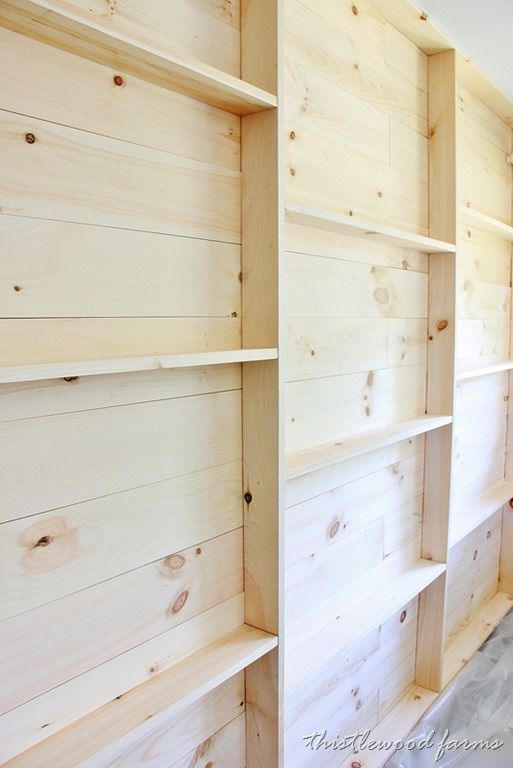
469	639
485	505
142	709
393	728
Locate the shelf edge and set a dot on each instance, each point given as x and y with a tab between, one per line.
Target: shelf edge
316	217
485	370
44	371
492	500
485	223
308	460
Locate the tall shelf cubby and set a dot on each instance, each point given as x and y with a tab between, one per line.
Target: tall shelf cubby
139	383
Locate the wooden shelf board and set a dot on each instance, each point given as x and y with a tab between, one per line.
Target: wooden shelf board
486	223
394	727
469	639
484	370
312	459
155	701
368	609
485	506
44	371
349	225
83	36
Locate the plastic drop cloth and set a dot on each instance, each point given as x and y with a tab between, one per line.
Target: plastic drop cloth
478	704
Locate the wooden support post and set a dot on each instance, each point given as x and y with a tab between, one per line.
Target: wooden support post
441	360
262	213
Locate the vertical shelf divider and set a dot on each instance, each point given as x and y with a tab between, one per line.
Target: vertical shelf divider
441	360
263	451
506	557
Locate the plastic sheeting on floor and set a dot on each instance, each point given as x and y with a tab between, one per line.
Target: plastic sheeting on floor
477	705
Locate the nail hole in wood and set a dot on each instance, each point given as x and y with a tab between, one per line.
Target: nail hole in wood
30	138
403	617
17	288
474	556
118	80
198	550
430	338
248	498
234	314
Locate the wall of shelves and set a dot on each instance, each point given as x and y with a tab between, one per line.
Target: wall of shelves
255	377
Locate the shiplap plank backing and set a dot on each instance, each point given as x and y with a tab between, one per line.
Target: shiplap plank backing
356	335
121	536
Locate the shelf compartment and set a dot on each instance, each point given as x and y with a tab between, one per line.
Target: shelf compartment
367	611
44	371
157	700
486	504
353	227
395	726
484	370
44	21
486	223
312	459
469	639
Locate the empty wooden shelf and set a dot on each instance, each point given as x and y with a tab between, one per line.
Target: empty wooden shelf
310	460
466	519
44	371
356	227
70	27
485	223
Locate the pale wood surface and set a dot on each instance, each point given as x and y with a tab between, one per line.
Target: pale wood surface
143	709
63	370
71	26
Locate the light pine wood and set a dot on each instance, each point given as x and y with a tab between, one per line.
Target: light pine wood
111	441
64	370
89	98
65	24
344	225
44	716
347	448
173	194
142	710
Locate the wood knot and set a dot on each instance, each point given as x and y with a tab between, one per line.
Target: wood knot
356	764
510	503
173	563
474	556
248	498
370	378
198	550
17	288
355	10
30	138
423	17
118	80
292	171
442	325
154	668
334	528
403	616
488	534
44	541
292	135
381	295
70	378
179	602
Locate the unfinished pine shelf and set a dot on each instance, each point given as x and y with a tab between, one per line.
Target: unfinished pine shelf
485	505
303	462
167	694
485	223
45	371
71	27
348	225
483	370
